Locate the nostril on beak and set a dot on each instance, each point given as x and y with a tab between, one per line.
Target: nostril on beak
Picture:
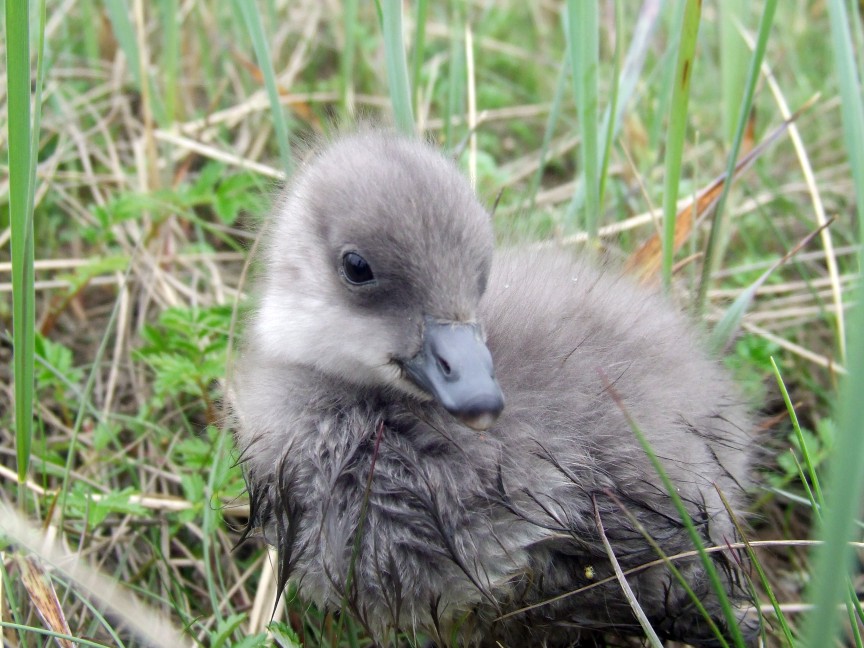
455	367
444	365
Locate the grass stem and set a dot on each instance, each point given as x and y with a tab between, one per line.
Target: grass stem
21	190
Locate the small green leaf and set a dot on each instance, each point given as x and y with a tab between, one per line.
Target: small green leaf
57	361
193	487
208	179
105	434
81	502
225	629
252	641
284	635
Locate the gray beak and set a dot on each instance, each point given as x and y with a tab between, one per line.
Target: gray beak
455	366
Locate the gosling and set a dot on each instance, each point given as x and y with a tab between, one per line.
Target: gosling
430	430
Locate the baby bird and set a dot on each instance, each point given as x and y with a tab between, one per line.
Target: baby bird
433	432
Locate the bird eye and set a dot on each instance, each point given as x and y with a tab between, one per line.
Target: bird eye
356	270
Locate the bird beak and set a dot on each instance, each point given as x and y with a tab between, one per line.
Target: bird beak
455	367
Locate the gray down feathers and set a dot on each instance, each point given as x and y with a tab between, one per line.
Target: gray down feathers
463	527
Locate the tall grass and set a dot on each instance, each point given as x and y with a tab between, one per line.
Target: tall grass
583	46
22	139
733	62
456	76
124	32
549	131
252	19
127	252
170	17
349	53
845	484
397	66
677	130
418	55
714	246
696	538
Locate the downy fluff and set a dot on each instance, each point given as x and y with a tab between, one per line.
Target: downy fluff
430	429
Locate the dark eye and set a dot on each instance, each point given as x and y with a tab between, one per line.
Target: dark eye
356	270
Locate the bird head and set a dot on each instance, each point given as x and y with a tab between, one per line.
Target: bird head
375	264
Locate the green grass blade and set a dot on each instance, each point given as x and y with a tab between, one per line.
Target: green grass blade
419	54
802	477
37	105
664	75
802	442
397	66
127	37
713	253
21	216
51	633
124	32
760	571
855	622
724	332
90	36
551	123
681	508
608	128
252	18
29	322
845	483
733	62
170	17
456	78
624	88
858	32
852	105
634	60
582	30
677	131
346	77
210	525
